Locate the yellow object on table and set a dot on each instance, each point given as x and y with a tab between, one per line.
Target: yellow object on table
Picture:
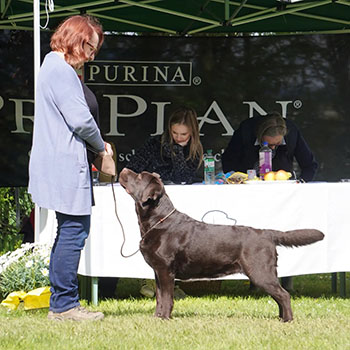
280	175
237	178
34	299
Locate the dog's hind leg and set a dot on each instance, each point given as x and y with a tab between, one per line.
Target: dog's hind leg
270	284
282	298
264	276
164	294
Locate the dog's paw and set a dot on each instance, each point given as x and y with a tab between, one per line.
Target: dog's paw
163	317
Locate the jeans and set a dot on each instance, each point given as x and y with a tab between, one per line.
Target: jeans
72	231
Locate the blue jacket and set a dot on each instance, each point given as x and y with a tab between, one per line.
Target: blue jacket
58	168
241	154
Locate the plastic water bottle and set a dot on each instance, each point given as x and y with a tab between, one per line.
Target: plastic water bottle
209	168
95	176
265	160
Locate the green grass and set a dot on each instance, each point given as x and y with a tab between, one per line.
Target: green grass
233	318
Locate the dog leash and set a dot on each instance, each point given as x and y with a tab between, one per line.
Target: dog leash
159	222
113	178
122	227
156	224
218	211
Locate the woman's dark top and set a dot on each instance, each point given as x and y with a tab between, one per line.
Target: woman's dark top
242	154
94	110
158	158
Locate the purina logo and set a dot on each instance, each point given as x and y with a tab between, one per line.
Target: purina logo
138	73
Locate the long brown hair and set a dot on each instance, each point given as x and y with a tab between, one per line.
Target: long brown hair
71	35
272	125
188	117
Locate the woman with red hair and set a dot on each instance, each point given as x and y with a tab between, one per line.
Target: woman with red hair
59	172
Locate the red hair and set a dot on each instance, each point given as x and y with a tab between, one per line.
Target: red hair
71	35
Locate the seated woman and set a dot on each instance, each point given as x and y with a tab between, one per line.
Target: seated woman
176	156
283	138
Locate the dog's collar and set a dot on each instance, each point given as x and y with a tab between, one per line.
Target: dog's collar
159	222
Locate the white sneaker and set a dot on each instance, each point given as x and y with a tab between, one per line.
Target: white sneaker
148	288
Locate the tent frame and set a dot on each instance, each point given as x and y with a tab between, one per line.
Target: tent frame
192	17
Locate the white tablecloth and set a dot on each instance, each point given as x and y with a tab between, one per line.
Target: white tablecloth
286	206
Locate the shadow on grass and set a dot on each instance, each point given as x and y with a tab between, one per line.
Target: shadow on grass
310	286
314	286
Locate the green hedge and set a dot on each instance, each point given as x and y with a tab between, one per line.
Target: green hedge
12	215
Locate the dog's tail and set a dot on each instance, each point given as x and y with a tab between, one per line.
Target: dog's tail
296	238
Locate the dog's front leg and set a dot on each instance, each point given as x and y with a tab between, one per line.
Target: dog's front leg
158	299
164	294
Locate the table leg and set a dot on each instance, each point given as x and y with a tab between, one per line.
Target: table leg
342	279
334	282
94	290
84	287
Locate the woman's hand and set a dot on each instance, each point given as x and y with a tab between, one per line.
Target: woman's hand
108	150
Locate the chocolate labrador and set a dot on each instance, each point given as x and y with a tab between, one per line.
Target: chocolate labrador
177	246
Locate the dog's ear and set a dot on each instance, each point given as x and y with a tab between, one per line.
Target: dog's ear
153	191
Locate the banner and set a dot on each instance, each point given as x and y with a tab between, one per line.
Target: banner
139	81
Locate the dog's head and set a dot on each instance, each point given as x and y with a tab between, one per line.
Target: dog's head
144	188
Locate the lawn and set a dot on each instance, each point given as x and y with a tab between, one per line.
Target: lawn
231	318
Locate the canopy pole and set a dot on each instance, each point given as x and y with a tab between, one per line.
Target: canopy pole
36	25
227	10
36	16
